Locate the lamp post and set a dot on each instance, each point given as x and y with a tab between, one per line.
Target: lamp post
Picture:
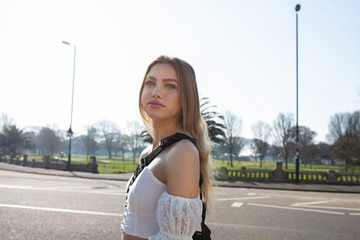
297	9
69	132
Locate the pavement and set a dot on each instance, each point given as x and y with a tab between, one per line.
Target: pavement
238	184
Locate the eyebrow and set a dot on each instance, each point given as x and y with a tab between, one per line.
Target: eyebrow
165	79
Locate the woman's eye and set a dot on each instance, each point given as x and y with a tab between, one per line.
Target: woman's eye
170	86
149	83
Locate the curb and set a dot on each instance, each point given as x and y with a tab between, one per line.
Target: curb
233	184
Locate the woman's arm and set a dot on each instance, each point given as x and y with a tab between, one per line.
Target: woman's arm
179	211
183	170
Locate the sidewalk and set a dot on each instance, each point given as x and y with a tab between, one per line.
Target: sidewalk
238	184
53	172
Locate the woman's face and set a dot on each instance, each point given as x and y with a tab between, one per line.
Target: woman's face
160	97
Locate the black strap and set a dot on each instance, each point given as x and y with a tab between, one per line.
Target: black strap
205	231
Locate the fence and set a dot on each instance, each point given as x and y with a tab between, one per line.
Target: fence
48	164
279	175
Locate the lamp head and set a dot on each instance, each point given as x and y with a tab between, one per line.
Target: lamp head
297	7
69	132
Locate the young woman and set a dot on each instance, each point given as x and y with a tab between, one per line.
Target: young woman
163	201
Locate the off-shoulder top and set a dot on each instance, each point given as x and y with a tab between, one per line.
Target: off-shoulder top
154	214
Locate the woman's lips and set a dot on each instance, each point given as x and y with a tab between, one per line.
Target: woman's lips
155	104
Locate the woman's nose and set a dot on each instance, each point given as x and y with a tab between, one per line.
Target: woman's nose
157	92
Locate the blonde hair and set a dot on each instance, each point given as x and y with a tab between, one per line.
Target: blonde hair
191	119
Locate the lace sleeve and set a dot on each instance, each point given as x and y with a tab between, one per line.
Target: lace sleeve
178	217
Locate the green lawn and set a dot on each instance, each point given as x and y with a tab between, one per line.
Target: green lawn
117	165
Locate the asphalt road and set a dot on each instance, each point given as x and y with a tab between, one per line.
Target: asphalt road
34	206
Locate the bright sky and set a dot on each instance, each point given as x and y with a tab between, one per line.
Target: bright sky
243	53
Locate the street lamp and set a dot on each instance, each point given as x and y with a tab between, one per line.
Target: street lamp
297	9
69	132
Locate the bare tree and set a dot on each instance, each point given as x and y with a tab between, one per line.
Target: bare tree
344	130
90	142
136	140
108	131
260	143
122	144
337	126
49	141
5	121
306	141
233	142
274	152
344	124
283	135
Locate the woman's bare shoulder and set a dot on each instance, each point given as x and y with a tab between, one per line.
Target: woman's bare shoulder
183	169
184	149
145	152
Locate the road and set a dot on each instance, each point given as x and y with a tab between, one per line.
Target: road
34	206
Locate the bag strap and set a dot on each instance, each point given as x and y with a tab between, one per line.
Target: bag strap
204	229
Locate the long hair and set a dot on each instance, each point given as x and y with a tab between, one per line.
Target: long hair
191	119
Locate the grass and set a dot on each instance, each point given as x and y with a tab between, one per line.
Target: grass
105	165
117	165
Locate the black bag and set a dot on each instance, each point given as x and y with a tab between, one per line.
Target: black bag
205	232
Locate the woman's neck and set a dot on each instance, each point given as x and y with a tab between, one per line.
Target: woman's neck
163	130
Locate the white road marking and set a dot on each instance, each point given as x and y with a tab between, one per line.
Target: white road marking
293	208
15	187
60	210
237	204
310	203
354	214
251	194
334	208
61	189
306	204
243	198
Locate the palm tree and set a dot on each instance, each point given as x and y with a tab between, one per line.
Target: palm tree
12	139
215	129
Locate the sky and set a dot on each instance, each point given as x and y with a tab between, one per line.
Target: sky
243	53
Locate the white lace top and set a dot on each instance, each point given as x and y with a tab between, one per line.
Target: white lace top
178	217
155	214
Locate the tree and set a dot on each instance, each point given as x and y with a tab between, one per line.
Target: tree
324	150
108	131
307	149
122	144
308	153
283	135
48	140
5	121
260	144
12	140
215	129
135	131
233	142
344	130
347	149
218	152
274	152
90	142
338	126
